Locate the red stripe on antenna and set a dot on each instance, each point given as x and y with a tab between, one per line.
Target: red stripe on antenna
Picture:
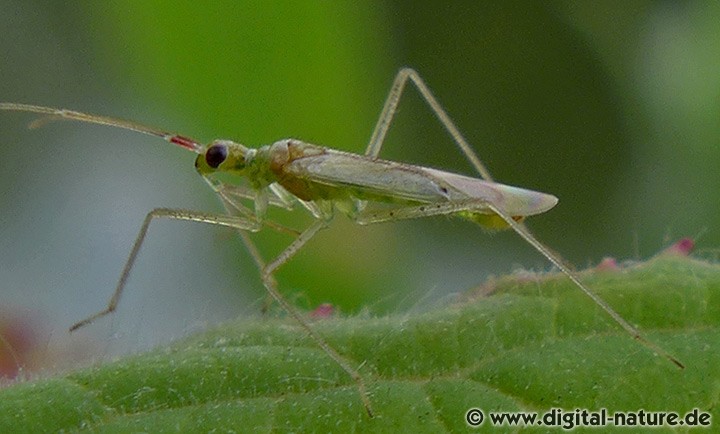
185	143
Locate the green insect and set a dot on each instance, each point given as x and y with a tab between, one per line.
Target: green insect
324	181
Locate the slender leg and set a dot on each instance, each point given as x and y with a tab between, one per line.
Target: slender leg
368	217
242	224
555	259
230	207
390	107
267	273
448	208
373	149
243	192
174	214
271	285
231	197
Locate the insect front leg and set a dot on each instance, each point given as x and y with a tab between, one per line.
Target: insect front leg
388	112
231	207
173	214
231	196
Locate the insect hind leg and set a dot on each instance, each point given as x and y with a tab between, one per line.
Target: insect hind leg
388	113
455	207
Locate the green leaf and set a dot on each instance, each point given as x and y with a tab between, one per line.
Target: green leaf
533	344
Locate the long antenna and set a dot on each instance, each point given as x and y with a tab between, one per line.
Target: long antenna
54	113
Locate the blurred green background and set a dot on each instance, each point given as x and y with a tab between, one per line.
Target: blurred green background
613	107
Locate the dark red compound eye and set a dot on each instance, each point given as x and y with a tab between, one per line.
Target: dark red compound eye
215	155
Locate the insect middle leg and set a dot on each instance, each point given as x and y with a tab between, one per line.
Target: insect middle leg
271	285
267	274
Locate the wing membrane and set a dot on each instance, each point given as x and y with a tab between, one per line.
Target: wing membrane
388	181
